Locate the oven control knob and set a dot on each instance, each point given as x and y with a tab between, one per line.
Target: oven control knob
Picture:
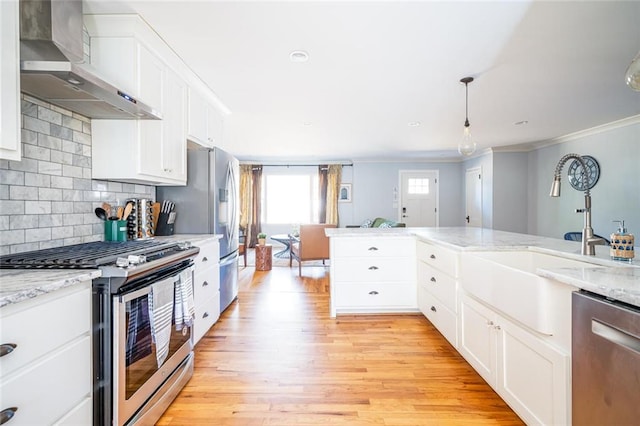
136	259
122	262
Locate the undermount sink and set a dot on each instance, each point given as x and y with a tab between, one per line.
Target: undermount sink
507	280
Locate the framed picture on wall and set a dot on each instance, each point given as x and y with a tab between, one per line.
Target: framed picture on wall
344	196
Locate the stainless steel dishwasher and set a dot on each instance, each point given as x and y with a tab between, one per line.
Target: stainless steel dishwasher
606	361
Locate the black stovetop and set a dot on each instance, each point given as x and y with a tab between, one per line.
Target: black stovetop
84	256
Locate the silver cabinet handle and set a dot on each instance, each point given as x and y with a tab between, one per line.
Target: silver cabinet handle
433	308
489	323
7	414
373	268
7	348
497	327
373	248
204	259
433	256
433	279
373	292
206	314
616	336
204	283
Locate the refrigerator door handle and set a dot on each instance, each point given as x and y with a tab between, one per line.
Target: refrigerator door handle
233	207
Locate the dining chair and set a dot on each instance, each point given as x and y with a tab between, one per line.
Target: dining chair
311	244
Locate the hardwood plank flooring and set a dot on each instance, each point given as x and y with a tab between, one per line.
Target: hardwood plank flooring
275	357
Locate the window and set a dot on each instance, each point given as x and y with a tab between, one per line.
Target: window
418	186
290	197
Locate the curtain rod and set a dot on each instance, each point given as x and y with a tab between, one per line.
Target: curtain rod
297	165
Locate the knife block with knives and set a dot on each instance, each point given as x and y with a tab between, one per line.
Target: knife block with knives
166	218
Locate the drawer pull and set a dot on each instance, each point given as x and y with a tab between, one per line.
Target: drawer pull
373	268
204	283
373	248
205	315
489	323
204	259
373	292
7	348
7	414
433	256
433	308
433	279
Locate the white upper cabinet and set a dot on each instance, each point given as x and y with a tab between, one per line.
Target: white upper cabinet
126	50
205	121
9	82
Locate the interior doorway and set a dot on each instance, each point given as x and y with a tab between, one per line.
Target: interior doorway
473	197
418	206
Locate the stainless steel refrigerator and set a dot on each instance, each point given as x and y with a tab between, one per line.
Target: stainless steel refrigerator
209	204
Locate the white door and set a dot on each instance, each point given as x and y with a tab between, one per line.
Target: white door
419	197
473	185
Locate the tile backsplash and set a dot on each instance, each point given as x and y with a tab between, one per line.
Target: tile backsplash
48	199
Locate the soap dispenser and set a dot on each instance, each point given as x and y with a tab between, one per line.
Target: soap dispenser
622	243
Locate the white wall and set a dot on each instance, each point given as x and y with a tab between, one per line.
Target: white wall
616	195
485	162
510	197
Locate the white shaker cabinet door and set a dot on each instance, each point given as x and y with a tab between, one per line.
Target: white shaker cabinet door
10	147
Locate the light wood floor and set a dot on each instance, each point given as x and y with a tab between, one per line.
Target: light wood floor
275	357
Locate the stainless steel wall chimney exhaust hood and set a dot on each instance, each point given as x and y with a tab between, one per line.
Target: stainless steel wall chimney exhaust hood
51	68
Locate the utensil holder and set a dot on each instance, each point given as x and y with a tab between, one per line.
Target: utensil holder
115	230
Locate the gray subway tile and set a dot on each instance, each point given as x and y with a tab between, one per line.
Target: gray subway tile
4	192
12	207
72	195
72	124
61	232
37	234
28	136
35	100
36	179
61	132
61	110
73	240
51	194
82	230
26	165
37	152
15	236
81	161
62	182
86	151
81	183
72	171
61	157
50	244
4	223
86	128
83	207
114	187
71	147
50	220
49	115
28	108
5	250
37	207
21	248
93	237
99	185
82	138
50	142
86	173
23	221
61	207
93	196
81	118
12	177
23	193
49	168
36	125
73	219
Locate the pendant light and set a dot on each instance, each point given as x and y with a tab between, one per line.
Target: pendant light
466	146
632	76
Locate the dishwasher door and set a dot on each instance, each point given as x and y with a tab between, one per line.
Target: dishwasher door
605	361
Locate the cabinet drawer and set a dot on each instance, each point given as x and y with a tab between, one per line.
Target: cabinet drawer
45	391
43	324
373	247
376	295
206	283
442	318
376	269
441	285
439	257
81	414
207	313
209	254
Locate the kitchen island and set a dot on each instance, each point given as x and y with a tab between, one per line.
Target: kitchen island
503	300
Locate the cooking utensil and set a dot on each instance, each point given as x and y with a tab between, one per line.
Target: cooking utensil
127	211
119	211
107	208
101	213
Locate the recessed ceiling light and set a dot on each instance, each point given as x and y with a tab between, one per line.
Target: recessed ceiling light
521	123
307	123
299	56
414	123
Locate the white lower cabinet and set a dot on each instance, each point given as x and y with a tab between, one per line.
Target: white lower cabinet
47	377
373	275
530	374
206	288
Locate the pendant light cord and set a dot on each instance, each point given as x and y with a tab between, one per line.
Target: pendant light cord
466	103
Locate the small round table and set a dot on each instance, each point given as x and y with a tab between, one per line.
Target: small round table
282	239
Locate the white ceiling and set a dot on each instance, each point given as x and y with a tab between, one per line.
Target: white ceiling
376	66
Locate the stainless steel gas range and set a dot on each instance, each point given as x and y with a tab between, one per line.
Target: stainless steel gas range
142	346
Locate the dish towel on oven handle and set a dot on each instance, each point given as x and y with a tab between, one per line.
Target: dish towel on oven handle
185	305
160	310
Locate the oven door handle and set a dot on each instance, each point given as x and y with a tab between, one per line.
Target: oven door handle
173	275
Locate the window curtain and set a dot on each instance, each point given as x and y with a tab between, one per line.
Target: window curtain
250	206
323	171
334	177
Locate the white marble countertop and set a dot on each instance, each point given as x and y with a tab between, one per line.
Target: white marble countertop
17	285
193	238
609	278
